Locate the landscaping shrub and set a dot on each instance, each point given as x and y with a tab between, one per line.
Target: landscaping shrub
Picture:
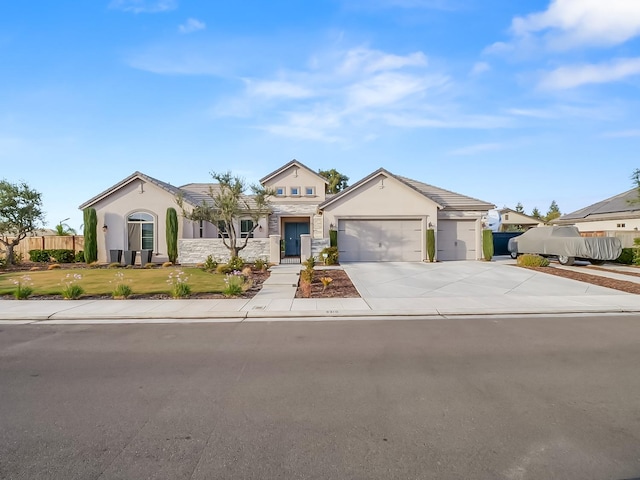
172	234
306	276
80	257
233	284
167	265
626	257
122	290
39	256
179	286
236	263
332	255
210	264
70	288
529	260
23	287
90	235
54	266
223	269
487	244
431	244
333	238
63	255
261	264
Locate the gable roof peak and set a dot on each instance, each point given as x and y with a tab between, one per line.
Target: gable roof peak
288	165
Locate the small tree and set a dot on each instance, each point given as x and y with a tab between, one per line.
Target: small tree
553	213
337	181
535	213
90	235
172	234
64	230
20	214
227	204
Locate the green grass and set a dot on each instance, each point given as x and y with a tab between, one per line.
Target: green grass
96	281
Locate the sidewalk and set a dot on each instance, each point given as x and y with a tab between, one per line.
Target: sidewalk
399	290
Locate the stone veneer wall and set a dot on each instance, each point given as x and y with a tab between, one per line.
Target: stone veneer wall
279	210
317	245
192	251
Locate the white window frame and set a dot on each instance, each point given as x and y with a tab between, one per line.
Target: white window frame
280	191
296	193
312	192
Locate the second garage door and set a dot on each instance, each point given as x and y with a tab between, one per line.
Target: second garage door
380	240
456	240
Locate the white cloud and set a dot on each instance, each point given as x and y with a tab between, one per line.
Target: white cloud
191	25
277	89
480	68
479	148
363	60
571	23
622	134
144	6
576	75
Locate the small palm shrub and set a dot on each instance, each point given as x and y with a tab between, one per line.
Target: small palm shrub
326	281
179	286
24	287
70	288
529	260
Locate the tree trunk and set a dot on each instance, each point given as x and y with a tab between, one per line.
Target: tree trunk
10	259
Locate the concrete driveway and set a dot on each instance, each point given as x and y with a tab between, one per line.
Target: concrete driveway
497	286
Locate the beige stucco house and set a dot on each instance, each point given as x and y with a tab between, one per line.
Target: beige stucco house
383	217
615	216
513	220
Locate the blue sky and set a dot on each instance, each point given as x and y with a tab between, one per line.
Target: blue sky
528	101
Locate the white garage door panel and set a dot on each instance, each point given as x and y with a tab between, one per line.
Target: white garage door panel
456	240
380	240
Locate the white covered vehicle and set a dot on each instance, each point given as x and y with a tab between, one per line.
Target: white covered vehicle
565	243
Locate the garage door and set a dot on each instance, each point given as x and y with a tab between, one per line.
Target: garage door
456	240
380	240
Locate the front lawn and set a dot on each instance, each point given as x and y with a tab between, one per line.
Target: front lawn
101	281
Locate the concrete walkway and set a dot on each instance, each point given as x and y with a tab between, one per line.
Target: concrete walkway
386	289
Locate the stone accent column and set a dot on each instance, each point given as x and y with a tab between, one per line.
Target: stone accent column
274	249
305	247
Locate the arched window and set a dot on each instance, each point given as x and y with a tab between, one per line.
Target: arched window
140	228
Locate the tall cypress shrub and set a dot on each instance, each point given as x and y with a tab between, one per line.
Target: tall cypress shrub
172	234
333	238
90	235
487	244
431	244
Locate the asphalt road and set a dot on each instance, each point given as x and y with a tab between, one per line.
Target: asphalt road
443	399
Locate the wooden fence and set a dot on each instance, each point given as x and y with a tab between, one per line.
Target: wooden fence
47	242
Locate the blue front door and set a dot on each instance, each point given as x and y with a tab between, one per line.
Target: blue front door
292	232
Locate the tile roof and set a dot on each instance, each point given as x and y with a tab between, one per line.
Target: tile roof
284	167
445	199
618	204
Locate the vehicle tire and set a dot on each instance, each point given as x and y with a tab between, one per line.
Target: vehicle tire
597	262
513	255
565	260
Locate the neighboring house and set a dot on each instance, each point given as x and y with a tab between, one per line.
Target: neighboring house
510	220
383	217
615	216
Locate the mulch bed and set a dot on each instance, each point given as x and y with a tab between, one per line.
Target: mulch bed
622	285
340	287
